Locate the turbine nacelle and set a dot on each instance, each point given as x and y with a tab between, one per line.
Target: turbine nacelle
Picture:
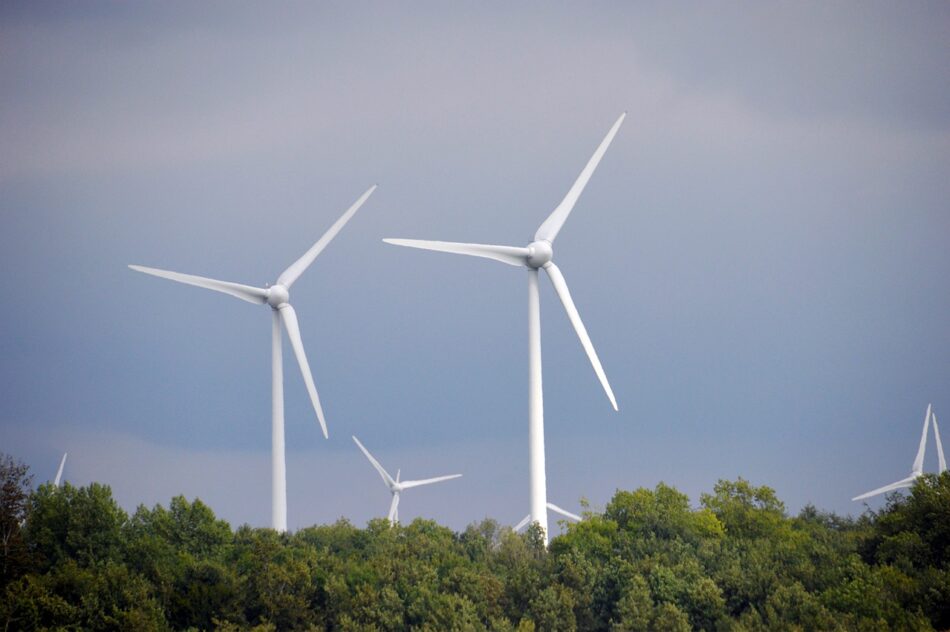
277	295
540	254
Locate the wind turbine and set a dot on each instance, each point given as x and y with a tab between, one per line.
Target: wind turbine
277	296
395	486
917	468
59	472
538	255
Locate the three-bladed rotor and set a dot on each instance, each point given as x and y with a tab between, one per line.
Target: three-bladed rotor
394	484
277	296
539	254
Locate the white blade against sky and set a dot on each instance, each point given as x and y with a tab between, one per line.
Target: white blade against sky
560	287
552	225
564	512
244	292
427	481
512	255
59	472
941	461
379	468
918	466
293	272
907	482
289	316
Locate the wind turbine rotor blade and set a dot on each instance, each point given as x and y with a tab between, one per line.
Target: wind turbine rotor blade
59	472
512	255
552	225
907	482
560	286
247	293
291	274
379	468
564	512
919	460
394	510
941	461
289	317
524	523
428	481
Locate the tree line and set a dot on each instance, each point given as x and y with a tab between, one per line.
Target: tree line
72	559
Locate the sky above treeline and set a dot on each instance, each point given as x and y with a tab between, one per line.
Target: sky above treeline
761	258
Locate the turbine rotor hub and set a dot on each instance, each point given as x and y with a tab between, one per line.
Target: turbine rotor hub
540	253
277	295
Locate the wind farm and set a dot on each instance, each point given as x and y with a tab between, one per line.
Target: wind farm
731	222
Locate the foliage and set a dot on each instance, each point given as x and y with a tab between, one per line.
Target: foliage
14	499
74	560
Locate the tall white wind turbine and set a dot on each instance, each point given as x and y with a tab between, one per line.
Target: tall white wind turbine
277	296
59	472
395	485
537	255
917	469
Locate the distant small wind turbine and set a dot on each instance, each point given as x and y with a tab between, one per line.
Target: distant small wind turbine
394	485
59	472
277	296
538	255
917	469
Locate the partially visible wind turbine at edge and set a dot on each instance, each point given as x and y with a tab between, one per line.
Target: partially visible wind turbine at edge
537	255
277	296
395	486
917	469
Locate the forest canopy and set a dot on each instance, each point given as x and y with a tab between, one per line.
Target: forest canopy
73	559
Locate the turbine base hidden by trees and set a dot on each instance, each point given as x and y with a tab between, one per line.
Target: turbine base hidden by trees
649	561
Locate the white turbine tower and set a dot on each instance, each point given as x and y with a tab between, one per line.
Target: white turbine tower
538	255
395	486
917	469
277	296
59	472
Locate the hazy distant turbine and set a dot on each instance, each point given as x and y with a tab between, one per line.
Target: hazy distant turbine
395	486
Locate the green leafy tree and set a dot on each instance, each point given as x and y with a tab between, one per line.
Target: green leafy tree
15	481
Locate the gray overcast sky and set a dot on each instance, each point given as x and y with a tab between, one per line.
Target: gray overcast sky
761	258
